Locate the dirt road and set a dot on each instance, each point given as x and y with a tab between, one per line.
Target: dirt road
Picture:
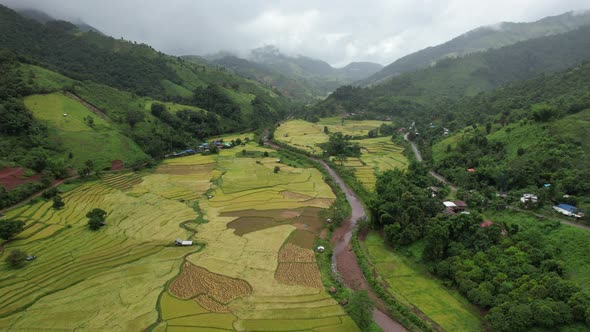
432	173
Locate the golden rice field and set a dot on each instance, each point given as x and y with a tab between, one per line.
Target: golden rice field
130	276
377	154
306	135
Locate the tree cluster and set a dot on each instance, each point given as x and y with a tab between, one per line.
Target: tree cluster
512	272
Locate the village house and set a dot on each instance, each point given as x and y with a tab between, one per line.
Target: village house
460	206
529	198
568	210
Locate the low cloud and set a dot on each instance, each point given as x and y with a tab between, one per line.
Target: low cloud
336	31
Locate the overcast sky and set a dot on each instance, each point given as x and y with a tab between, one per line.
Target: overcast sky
337	31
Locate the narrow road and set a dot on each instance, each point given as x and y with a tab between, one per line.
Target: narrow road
432	173
344	260
454	192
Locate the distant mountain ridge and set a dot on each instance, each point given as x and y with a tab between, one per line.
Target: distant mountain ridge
481	39
301	78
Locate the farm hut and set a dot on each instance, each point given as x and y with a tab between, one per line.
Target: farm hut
180	242
460	206
529	198
321	249
471	170
329	220
568	210
450	205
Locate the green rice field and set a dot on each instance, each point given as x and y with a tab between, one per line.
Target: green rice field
412	284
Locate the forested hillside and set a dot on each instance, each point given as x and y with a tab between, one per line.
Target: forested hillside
137	68
481	39
77	101
467	76
522	137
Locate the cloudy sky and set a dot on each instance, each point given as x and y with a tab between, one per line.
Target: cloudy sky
337	31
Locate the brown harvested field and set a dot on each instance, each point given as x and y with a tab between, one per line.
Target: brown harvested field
208	303
117	165
12	177
303	239
196	280
291	253
254	220
302	274
185	169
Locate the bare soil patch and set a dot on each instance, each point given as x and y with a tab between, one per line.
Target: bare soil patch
303	239
12	177
117	165
248	221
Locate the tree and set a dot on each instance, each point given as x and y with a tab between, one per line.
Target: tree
134	117
360	309
16	258
326	130
58	202
9	228
96	218
276	169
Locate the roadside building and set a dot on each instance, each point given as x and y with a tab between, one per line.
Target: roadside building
568	210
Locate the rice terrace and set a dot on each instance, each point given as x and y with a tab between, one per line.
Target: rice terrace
238	275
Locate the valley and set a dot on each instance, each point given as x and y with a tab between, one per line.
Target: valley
240	168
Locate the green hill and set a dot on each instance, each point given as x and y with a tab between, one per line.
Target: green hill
481	39
137	68
69	127
451	79
530	134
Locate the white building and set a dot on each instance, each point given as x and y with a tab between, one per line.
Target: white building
529	198
180	242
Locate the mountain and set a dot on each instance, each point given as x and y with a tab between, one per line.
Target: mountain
99	99
356	71
454	78
43	18
300	78
481	39
36	15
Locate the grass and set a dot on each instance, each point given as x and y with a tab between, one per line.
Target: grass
44	79
101	143
411	282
